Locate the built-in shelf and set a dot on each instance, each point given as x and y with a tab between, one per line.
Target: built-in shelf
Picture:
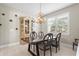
25	28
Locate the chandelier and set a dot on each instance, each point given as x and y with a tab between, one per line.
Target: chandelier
40	19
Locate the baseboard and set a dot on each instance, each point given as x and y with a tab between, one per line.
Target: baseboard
68	45
7	45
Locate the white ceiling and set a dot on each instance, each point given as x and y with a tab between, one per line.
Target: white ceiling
31	9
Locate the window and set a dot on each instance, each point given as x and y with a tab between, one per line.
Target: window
51	25
59	23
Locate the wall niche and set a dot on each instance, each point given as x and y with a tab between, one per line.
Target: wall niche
16	15
3	14
11	20
16	28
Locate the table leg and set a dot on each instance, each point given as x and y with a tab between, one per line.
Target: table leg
29	47
30	50
37	50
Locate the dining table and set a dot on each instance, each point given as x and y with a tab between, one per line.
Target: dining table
36	42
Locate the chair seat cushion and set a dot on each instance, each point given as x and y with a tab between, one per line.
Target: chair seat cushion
75	43
41	46
54	43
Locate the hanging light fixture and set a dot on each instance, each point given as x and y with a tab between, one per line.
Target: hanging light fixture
40	19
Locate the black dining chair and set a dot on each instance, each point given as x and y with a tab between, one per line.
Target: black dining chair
40	35
33	36
56	41
75	43
46	44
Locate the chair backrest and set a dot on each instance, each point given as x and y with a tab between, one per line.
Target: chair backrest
40	35
58	37
76	40
33	35
48	37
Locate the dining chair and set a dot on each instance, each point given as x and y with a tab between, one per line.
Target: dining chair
33	36
40	35
56	41
46	44
75	43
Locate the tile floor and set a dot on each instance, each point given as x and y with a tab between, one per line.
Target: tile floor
21	50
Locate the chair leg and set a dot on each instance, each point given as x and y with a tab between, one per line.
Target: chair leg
59	47
56	49
44	51
34	48
73	46
50	51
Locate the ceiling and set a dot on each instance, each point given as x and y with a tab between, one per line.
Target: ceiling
32	9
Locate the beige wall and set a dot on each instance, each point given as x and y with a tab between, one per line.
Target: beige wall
74	21
8	32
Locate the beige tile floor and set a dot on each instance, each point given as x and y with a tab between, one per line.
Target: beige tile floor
21	50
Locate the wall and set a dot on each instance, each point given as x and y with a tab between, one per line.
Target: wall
8	32
74	22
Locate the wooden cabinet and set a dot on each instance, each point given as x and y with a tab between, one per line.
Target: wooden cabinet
25	28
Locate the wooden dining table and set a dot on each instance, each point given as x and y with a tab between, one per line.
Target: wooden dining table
35	42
